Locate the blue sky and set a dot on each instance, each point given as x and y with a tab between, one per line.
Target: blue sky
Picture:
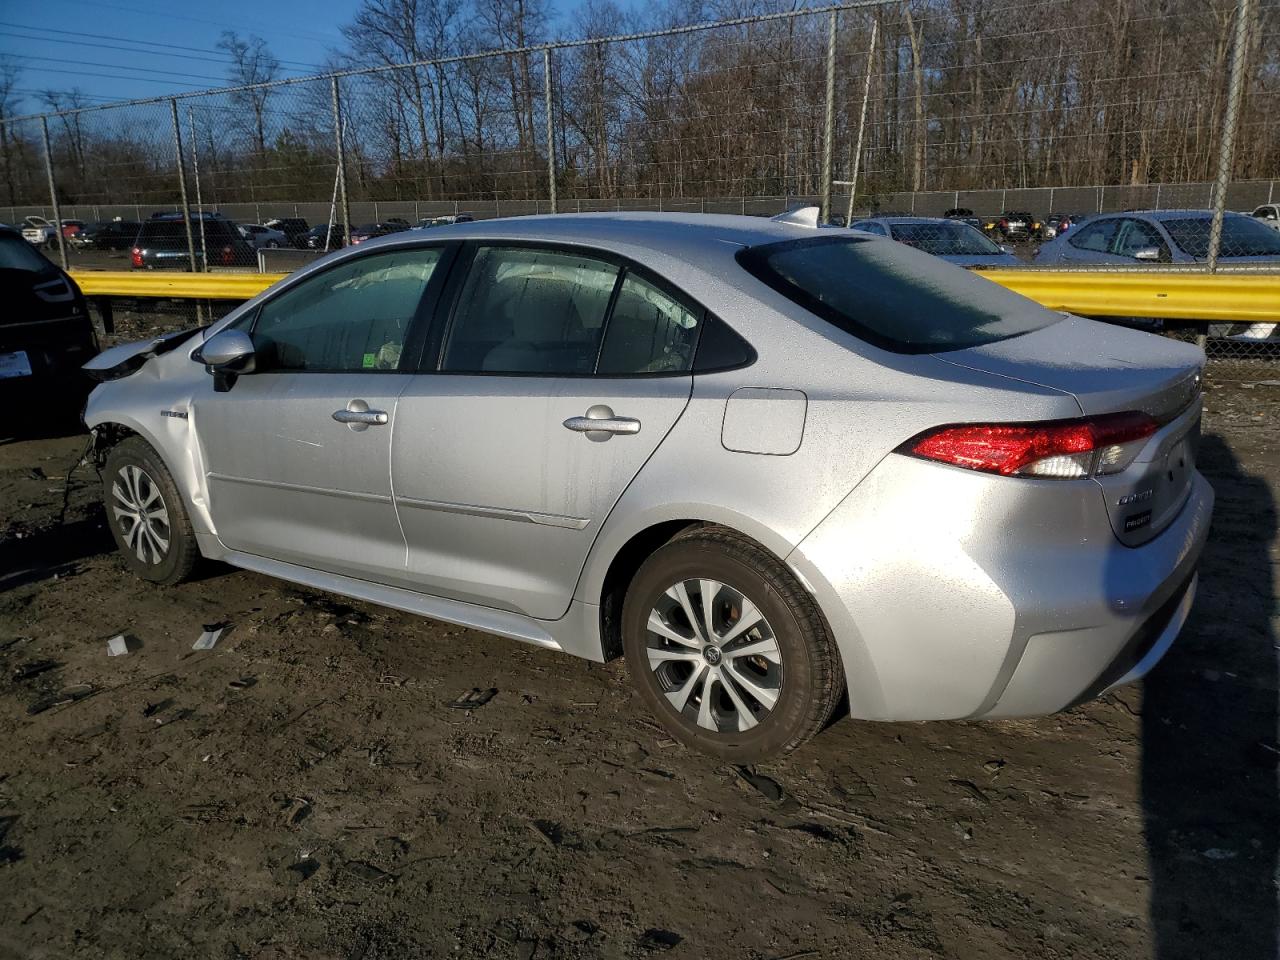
299	33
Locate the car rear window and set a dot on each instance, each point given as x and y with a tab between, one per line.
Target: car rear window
1241	237
945	239
893	296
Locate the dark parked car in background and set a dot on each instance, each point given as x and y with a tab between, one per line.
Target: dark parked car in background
1013	225
46	334
109	235
162	243
295	228
368	231
315	238
964	215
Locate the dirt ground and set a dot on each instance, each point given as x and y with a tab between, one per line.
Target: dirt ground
307	788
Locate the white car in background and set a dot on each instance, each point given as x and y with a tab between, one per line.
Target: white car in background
260	237
39	232
1269	214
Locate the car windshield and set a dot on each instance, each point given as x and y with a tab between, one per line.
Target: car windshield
945	239
893	296
1241	237
17	254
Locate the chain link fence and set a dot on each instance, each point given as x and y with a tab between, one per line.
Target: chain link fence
1075	133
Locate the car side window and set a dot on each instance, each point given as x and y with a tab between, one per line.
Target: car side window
1095	237
527	310
868	226
1135	235
352	318
648	332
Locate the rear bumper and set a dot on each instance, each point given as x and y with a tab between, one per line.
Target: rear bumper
954	594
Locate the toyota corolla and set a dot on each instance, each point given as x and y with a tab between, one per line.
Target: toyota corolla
769	465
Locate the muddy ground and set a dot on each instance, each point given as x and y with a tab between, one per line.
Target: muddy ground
307	789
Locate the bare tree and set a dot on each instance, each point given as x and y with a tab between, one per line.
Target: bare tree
251	63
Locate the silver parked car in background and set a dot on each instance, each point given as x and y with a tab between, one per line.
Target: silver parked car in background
1160	236
769	464
951	240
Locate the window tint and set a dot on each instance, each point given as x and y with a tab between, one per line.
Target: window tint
351	318
17	254
1095	236
1135	235
648	332
870	226
524	310
944	239
893	296
1241	237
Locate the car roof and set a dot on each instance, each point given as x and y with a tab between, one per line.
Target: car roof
666	231
1165	214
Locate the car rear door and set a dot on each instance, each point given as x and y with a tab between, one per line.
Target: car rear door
297	453
549	381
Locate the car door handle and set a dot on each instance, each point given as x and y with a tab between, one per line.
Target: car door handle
600	420
370	418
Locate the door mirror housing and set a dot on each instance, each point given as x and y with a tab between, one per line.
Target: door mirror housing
1147	253
226	355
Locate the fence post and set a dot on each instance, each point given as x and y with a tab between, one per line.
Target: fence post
829	123
53	192
342	162
182	182
862	122
1226	153
551	133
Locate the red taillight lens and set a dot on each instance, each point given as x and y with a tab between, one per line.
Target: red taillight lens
228	259
1060	450
135	257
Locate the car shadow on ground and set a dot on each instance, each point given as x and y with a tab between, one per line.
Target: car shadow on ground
1210	801
53	551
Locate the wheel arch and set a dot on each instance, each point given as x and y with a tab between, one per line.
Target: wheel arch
620	553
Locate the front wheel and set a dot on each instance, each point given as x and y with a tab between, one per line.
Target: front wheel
727	649
146	514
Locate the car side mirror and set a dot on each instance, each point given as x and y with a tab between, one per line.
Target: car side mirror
226	355
1147	253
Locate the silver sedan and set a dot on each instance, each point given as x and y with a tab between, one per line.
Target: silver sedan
768	464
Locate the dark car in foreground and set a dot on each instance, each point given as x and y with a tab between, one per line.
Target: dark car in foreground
161	244
46	333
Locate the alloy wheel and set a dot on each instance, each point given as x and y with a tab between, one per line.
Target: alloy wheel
141	513
714	655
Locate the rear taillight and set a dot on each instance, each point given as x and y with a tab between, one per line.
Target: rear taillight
228	259
1058	450
135	256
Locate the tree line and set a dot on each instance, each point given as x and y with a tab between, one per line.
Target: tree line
963	94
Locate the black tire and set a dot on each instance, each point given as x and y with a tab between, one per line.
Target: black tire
121	488
810	677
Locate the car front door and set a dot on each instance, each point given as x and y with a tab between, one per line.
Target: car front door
297	453
548	384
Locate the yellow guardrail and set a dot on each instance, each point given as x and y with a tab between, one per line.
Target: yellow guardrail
178	285
1177	295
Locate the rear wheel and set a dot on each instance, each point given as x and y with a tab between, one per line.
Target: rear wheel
727	649
146	514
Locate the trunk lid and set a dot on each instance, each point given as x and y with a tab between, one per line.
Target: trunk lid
1111	369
